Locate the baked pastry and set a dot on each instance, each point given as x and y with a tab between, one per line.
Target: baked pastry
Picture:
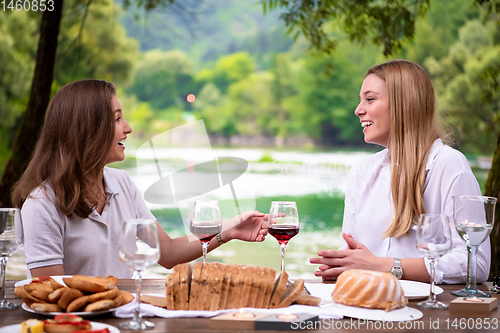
369	289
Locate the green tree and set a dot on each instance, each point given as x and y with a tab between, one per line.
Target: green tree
94	44
163	78
40	92
459	80
18	32
327	96
228	69
385	22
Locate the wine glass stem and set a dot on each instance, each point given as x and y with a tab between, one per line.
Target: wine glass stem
3	265
204	246
137	311
432	296
283	247
471	271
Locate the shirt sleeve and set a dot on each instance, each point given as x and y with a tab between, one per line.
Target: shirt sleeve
452	267
43	230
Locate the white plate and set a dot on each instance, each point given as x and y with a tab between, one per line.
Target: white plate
58	278
403	314
81	314
417	290
411	289
16	328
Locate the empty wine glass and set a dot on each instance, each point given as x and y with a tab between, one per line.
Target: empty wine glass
473	216
11	239
434	241
283	224
139	248
205	222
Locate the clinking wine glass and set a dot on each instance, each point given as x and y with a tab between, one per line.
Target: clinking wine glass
474	217
11	239
139	248
205	222
283	224
433	241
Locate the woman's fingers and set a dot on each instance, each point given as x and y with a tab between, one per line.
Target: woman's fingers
330	273
351	242
332	253
328	261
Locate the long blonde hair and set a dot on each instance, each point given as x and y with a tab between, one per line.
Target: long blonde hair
414	129
73	147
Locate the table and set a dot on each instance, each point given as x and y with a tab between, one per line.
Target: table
433	320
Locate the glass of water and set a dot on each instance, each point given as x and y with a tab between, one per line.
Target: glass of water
473	216
433	241
11	239
139	248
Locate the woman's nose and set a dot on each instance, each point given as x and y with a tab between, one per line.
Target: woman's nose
359	110
127	129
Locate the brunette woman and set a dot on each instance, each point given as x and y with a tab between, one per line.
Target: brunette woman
73	205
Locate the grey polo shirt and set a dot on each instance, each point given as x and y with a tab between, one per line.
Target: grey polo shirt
83	246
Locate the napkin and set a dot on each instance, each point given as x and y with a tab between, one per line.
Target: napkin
148	310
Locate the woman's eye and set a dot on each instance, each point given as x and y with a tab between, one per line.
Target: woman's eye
118	119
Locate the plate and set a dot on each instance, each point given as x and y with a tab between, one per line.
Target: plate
417	290
16	328
411	289
403	314
58	278
81	314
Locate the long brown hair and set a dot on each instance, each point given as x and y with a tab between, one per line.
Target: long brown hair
73	147
414	129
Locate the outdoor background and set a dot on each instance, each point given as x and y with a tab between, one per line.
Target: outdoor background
263	97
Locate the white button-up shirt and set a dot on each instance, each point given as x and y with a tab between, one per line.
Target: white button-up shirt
369	210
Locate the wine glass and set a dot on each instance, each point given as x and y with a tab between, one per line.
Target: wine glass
139	248
11	239
283	224
473	216
205	222
433	241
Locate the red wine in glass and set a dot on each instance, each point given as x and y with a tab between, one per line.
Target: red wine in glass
283	224
205	233
205	222
283	232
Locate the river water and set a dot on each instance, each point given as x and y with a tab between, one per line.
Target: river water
316	180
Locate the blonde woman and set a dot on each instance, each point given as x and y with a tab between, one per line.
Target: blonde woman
73	205
415	174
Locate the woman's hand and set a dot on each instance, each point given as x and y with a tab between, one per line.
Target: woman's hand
355	256
248	226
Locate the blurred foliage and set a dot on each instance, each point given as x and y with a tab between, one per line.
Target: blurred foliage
209	29
92	44
18	37
389	23
163	78
248	77
468	104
